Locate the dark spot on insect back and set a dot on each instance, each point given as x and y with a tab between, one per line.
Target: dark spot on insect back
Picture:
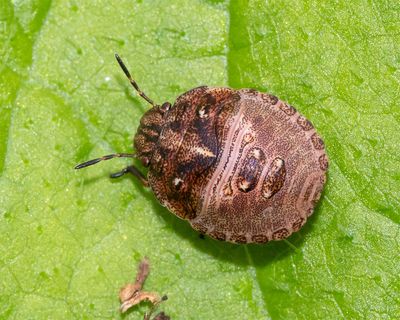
269	98
238	238
298	224
304	123
250	172
275	178
323	162
280	234
210	99
259	238
289	110
317	142
253	92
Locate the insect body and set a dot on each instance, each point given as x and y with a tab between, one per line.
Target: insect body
239	165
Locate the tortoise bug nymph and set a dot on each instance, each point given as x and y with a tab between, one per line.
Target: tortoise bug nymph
239	165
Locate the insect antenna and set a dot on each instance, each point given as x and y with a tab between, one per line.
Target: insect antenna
107	157
133	82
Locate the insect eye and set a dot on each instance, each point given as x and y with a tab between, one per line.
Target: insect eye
165	106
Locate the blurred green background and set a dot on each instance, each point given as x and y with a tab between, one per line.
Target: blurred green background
69	240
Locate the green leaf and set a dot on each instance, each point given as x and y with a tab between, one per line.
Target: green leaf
69	240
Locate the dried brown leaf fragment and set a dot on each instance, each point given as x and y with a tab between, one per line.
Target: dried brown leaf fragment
131	294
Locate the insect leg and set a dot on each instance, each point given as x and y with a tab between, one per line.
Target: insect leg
133	170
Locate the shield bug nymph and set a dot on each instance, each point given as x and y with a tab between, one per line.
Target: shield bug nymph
239	165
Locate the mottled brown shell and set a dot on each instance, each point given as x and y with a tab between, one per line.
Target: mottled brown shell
239	165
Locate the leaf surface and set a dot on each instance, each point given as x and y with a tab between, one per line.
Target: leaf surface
69	240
